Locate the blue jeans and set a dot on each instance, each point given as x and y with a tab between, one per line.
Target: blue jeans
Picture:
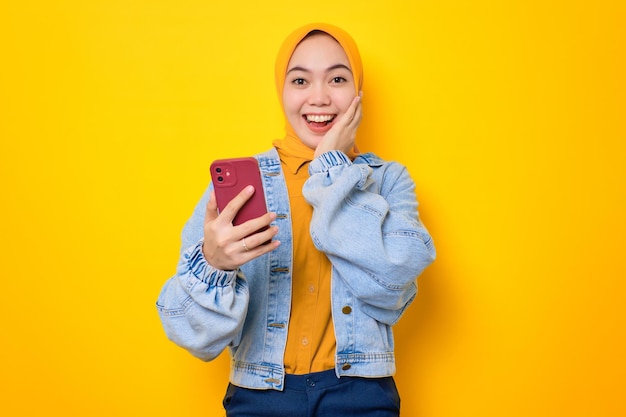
319	394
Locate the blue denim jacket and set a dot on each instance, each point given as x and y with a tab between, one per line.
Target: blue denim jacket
365	220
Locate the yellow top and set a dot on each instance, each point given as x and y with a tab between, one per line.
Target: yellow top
311	338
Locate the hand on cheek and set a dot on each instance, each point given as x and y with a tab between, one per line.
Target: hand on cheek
342	135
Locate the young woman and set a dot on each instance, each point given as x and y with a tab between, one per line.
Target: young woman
307	317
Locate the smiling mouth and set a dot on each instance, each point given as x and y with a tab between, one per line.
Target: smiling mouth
319	119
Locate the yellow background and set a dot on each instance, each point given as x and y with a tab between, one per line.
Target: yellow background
509	115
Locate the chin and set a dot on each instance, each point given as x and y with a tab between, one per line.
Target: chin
308	141
311	144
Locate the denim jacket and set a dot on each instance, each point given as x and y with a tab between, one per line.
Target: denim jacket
365	220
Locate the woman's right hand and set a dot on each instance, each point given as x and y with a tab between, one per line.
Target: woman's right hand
227	247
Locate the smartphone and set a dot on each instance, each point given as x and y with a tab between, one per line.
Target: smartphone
230	177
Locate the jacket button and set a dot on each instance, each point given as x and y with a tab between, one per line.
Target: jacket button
346	366
346	310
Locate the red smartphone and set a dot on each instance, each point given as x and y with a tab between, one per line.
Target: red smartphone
230	177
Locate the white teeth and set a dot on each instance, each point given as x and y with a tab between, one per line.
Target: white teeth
319	118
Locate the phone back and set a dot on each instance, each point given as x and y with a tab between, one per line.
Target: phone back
230	177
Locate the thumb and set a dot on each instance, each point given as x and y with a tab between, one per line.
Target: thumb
211	209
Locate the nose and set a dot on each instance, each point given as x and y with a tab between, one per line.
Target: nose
319	95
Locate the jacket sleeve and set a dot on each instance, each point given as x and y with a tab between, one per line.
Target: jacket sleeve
202	309
369	227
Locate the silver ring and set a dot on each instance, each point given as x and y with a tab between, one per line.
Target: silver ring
243	243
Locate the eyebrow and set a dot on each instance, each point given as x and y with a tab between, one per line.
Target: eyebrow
329	69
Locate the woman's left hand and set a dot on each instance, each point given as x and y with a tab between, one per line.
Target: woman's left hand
342	135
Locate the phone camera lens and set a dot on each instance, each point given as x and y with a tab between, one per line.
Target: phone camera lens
220	179
218	170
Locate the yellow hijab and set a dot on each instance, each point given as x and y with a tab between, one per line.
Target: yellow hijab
291	144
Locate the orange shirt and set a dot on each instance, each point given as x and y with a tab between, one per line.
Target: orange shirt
311	338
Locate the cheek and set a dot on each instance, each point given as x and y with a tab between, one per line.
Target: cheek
343	101
291	103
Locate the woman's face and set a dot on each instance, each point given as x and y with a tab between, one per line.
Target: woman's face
319	87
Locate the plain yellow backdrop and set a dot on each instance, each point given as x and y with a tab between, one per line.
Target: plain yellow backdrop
509	116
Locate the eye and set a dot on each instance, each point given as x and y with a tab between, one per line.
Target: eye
338	80
298	81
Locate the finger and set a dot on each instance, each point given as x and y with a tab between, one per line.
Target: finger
258	250
261	237
253	246
211	209
346	118
353	109
356	120
358	114
352	117
251	226
265	248
245	246
234	205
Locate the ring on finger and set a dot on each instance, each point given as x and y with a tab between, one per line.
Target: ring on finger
243	243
